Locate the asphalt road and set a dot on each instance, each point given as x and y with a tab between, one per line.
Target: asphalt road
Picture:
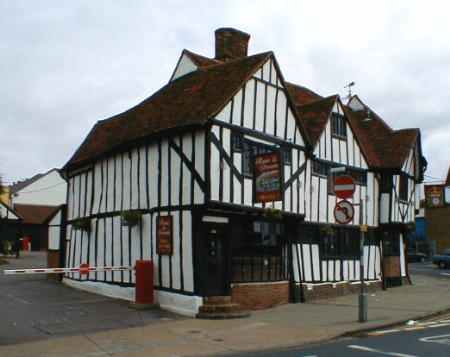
429	342
427	268
33	307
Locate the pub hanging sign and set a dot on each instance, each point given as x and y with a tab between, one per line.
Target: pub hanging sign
164	241
268	177
434	195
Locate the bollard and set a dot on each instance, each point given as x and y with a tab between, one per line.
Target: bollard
144	285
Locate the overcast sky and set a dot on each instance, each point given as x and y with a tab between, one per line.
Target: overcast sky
66	64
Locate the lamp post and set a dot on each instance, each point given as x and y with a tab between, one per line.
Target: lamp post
363	303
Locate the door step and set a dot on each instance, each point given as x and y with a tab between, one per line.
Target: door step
221	307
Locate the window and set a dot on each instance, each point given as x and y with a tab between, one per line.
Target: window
323	169
391	244
320	168
338	125
340	242
250	149
360	177
236	142
403	193
386	183
287	156
257	253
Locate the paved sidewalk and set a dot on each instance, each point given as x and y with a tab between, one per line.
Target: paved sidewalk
32	307
283	326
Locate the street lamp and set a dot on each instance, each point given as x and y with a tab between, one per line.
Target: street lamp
363	299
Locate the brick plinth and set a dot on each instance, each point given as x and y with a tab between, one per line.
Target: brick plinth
327	291
257	296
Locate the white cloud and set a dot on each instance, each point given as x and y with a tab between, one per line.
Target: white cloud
66	65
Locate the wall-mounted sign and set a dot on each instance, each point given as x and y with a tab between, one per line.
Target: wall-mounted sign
447	195
268	178
344	186
434	195
164	231
343	212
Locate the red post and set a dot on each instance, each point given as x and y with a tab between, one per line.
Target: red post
144	282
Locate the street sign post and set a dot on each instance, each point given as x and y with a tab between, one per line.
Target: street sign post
344	186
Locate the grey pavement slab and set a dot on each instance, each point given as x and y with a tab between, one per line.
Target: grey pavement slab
34	307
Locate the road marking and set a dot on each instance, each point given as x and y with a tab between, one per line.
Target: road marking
439	325
443	339
415	328
383	332
385	353
418	326
446	274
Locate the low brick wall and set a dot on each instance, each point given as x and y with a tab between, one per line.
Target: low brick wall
327	291
258	296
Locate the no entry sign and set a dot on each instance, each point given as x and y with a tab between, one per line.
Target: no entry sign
344	187
343	212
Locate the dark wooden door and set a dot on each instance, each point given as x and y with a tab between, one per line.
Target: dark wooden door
216	249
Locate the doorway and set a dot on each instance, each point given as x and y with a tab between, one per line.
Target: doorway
216	262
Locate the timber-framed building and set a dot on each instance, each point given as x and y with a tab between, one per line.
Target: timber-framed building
222	179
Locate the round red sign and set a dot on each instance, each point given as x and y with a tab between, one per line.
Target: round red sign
84	269
343	212
344	186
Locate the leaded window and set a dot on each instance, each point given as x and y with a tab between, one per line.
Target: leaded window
338	126
403	189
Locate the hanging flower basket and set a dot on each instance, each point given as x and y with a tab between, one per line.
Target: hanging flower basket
130	218
83	224
273	213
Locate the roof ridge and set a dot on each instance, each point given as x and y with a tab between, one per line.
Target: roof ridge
323	99
302	87
192	55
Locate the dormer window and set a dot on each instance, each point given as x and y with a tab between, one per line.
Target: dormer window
338	126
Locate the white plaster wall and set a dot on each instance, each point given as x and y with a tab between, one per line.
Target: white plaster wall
54	230
186	305
185	66
49	190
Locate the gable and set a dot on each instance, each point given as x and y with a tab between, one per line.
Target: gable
411	164
356	104
343	150
49	189
262	105
184	66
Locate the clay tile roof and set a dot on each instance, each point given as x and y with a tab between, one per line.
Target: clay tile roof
314	116
188	101
35	214
302	95
384	147
201	61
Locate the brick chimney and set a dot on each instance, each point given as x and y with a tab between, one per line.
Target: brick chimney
231	43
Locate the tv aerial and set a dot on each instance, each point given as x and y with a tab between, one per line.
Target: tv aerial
349	88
